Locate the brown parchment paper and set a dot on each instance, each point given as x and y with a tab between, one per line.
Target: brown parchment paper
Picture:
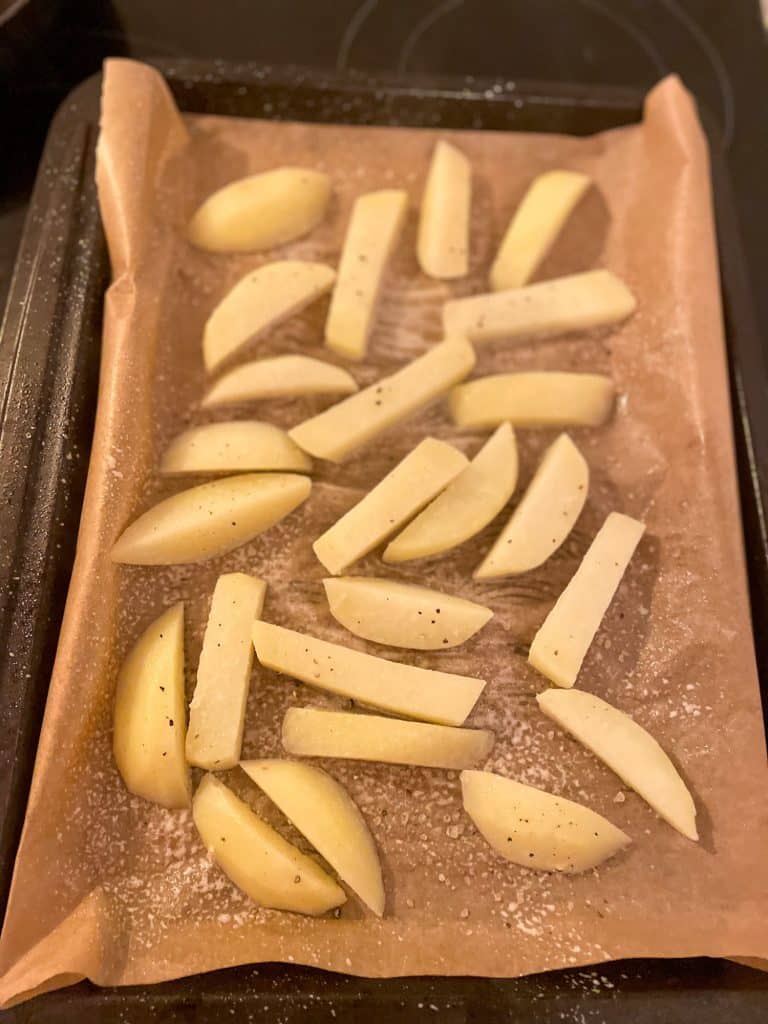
118	890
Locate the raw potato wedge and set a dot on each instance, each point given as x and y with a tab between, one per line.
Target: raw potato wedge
261	211
210	519
373	232
217	710
150	714
536	829
233	447
326	815
534	400
309	732
399	689
256	858
469	502
345	427
405	490
559	647
628	750
442	247
537	222
578	302
279	377
545	516
403	615
259	301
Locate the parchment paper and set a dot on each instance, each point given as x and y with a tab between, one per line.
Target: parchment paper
118	890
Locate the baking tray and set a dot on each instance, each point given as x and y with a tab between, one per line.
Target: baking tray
49	356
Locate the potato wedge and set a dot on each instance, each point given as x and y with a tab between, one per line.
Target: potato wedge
560	645
279	377
442	246
150	718
536	829
210	519
596	298
534	400
375	682
403	615
345	427
405	490
537	222
233	447
309	732
261	211
256	858
217	709
628	750
259	301
545	516
373	232
469	502
325	814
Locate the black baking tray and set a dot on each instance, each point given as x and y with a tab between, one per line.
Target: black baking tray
49	357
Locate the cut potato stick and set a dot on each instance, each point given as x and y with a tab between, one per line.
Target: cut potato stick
403	615
373	232
405	490
233	447
628	750
399	689
325	814
595	298
536	829
345	427
545	516
442	246
537	222
308	732
210	519
467	504
533	400
261	211
559	647
279	377
256	858
259	301
150	714
217	709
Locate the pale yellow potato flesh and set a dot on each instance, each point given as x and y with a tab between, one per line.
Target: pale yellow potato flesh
325	814
469	502
414	481
261	211
268	869
538	399
373	232
310	732
402	614
236	446
217	709
534	228
345	427
150	714
536	829
628	750
545	516
442	245
210	519
375	682
279	377
560	645
261	300
596	298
